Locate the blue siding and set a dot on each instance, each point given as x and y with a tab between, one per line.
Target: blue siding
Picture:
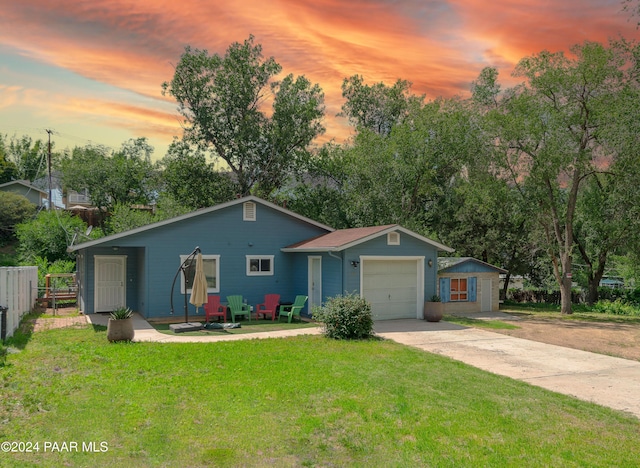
409	246
153	257
469	267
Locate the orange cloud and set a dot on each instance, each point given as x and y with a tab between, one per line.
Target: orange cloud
440	46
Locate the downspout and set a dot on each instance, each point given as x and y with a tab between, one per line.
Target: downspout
330	252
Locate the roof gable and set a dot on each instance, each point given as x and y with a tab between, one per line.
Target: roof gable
24	183
345	238
195	214
465	265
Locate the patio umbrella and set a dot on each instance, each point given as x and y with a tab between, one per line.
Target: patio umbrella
199	288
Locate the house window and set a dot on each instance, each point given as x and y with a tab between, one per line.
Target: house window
458	291
211	264
249	211
393	238
259	265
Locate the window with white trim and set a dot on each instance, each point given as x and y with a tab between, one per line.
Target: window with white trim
249	211
458	290
259	265
393	238
211	265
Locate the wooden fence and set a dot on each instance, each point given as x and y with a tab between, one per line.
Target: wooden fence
18	293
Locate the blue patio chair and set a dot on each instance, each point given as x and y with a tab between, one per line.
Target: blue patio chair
292	310
237	306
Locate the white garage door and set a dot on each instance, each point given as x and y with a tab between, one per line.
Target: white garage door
392	287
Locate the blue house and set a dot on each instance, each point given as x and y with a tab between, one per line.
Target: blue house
253	247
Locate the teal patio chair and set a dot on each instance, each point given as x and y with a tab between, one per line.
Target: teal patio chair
291	310
236	306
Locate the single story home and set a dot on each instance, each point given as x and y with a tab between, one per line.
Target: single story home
253	247
466	284
23	187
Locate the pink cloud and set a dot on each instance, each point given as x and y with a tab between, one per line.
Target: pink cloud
440	46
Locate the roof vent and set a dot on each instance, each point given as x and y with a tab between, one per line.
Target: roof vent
393	238
249	211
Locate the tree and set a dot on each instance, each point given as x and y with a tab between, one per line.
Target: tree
555	130
48	236
8	169
221	98
187	177
14	209
402	178
377	107
30	157
125	176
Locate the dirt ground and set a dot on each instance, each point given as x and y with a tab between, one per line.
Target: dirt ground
612	339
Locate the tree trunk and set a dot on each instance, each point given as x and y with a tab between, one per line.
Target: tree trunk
565	286
505	287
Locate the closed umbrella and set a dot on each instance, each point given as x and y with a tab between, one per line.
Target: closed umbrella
199	288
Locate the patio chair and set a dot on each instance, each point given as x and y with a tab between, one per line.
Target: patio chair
238	307
213	308
291	310
269	306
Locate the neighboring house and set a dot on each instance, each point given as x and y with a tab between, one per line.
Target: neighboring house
73	198
23	187
252	247
466	284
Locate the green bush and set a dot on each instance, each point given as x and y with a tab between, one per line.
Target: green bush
617	307
346	318
14	209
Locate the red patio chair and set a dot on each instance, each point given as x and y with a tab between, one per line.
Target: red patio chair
213	308
269	306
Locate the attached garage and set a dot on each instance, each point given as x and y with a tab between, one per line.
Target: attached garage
394	286
393	268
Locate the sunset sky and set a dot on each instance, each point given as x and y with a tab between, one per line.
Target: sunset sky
92	71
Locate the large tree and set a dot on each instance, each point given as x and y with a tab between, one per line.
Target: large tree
559	128
125	176
224	100
188	178
8	169
377	107
28	156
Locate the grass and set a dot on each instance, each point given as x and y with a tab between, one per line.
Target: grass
303	401
581	312
255	326
471	322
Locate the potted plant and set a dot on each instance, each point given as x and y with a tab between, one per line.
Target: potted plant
433	309
120	326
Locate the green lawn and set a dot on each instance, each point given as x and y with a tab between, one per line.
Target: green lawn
304	401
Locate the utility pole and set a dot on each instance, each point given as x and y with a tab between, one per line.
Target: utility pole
49	164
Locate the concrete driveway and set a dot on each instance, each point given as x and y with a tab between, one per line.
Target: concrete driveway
605	380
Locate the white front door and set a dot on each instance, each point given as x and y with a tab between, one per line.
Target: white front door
315	282
486	291
110	284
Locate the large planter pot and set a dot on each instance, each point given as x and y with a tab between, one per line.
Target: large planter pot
120	330
433	311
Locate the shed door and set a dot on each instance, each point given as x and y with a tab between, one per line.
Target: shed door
485	295
109	282
392	288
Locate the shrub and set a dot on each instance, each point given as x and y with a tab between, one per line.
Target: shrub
346	318
617	307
